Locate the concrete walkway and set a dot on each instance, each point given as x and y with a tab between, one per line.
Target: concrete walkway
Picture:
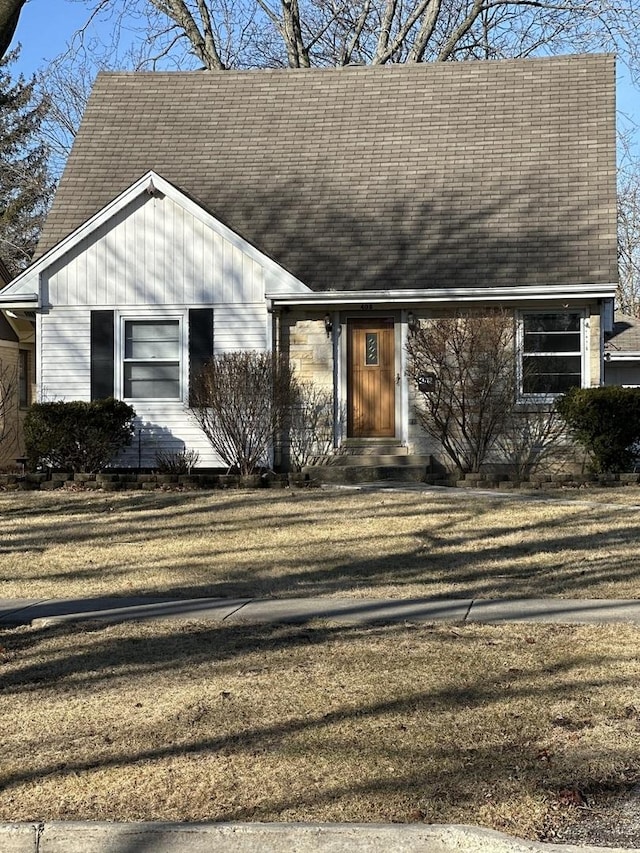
347	611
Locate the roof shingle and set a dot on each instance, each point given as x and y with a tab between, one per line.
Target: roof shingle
407	176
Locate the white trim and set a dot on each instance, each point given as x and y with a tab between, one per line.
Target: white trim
583	353
143	314
24	301
622	356
153	184
485	294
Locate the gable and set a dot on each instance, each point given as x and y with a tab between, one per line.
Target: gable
151	245
440	175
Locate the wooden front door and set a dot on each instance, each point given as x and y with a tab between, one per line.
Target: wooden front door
371	379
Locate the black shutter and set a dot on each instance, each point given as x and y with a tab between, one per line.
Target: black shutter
200	341
102	354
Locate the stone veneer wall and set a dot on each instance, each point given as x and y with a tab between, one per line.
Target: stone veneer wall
568	461
310	348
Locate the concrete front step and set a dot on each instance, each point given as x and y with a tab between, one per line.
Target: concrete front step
377	460
373	448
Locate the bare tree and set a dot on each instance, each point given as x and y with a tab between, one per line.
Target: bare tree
65	85
629	231
220	34
9	16
464	370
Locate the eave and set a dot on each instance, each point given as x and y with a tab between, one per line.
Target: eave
567	293
21	302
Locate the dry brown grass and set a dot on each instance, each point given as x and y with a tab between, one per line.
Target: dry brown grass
290	543
498	726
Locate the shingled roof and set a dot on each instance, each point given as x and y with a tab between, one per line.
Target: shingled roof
409	176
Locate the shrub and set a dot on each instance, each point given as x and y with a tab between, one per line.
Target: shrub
77	436
311	425
606	421
176	461
464	370
241	400
532	436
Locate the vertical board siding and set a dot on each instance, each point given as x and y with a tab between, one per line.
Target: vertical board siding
155	253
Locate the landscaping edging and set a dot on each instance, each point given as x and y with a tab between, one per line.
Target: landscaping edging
134	481
547	481
114	482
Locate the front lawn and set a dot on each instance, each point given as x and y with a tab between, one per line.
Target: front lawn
300	543
528	729
519	728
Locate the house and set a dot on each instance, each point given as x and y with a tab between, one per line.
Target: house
622	352
322	213
16	374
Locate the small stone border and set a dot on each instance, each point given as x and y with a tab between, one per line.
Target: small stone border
115	482
134	481
549	481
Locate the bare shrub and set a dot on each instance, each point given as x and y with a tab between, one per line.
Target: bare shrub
311	425
464	369
176	461
530	437
241	401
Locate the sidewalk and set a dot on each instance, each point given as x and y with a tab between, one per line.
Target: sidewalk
348	611
88	837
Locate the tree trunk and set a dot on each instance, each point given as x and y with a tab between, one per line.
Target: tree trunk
9	15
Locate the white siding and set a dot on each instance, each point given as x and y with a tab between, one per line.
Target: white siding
154	253
65	357
154	256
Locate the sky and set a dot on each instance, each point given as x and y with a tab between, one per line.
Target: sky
47	26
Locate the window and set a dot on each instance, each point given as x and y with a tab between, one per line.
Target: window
551	352
24	383
371	349
151	363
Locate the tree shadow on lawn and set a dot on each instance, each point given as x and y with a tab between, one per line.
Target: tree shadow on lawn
443	563
102	519
403	770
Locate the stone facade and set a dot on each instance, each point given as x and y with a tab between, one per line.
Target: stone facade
309	347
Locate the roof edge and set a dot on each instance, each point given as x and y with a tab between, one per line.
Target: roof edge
154	185
479	294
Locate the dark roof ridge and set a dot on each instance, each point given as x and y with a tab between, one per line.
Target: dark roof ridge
391	67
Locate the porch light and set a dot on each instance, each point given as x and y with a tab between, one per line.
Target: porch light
328	324
413	323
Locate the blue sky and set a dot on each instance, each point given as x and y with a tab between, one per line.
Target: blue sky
46	27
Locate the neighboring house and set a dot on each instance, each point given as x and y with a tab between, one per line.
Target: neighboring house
322	213
622	352
16	377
